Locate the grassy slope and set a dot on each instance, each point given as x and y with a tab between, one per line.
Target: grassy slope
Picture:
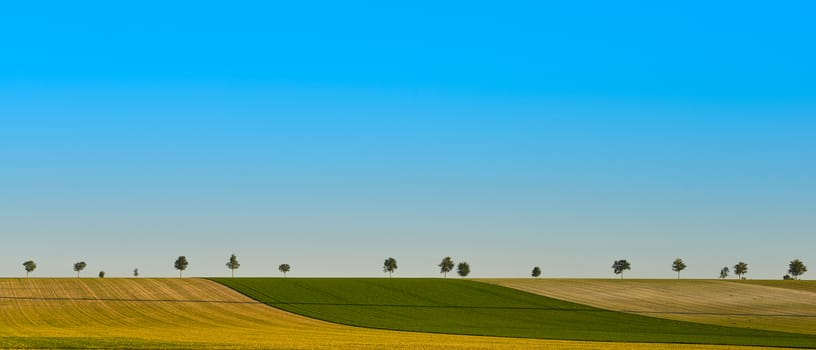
467	307
193	313
771	305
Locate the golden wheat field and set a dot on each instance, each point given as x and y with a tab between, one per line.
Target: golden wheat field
200	313
788	306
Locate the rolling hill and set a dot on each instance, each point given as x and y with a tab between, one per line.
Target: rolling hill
197	313
467	307
189	313
787	306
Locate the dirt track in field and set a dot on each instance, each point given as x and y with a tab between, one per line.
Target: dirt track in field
762	305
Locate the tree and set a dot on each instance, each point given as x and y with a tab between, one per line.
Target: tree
678	265
463	269
30	266
136	272
446	266
740	269
621	265
284	268
724	272
796	268
101	274
181	264
536	271
79	267
233	264
390	265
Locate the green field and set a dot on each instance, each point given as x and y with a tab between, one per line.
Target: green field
475	308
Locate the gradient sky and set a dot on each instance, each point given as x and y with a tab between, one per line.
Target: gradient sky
331	135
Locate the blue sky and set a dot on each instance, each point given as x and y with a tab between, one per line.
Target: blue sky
330	136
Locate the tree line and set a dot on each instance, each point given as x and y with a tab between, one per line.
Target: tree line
180	264
796	268
447	264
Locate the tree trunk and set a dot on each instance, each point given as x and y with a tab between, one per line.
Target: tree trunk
233	273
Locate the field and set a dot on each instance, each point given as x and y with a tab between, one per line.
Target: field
467	307
181	313
196	313
808	286
770	305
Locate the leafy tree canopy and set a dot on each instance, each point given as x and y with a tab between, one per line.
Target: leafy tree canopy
740	269
677	266
233	264
463	269
79	266
30	266
390	265
181	264
446	265
618	266
724	272
796	268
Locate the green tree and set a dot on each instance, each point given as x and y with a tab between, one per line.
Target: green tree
79	267
29	266
233	264
463	269
446	266
677	266
101	274
181	264
740	269
621	265
796	268
390	265
284	268
724	272
136	272
536	271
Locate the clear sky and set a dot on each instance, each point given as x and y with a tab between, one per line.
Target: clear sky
331	135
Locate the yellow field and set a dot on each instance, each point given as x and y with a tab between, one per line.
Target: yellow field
201	312
731	303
